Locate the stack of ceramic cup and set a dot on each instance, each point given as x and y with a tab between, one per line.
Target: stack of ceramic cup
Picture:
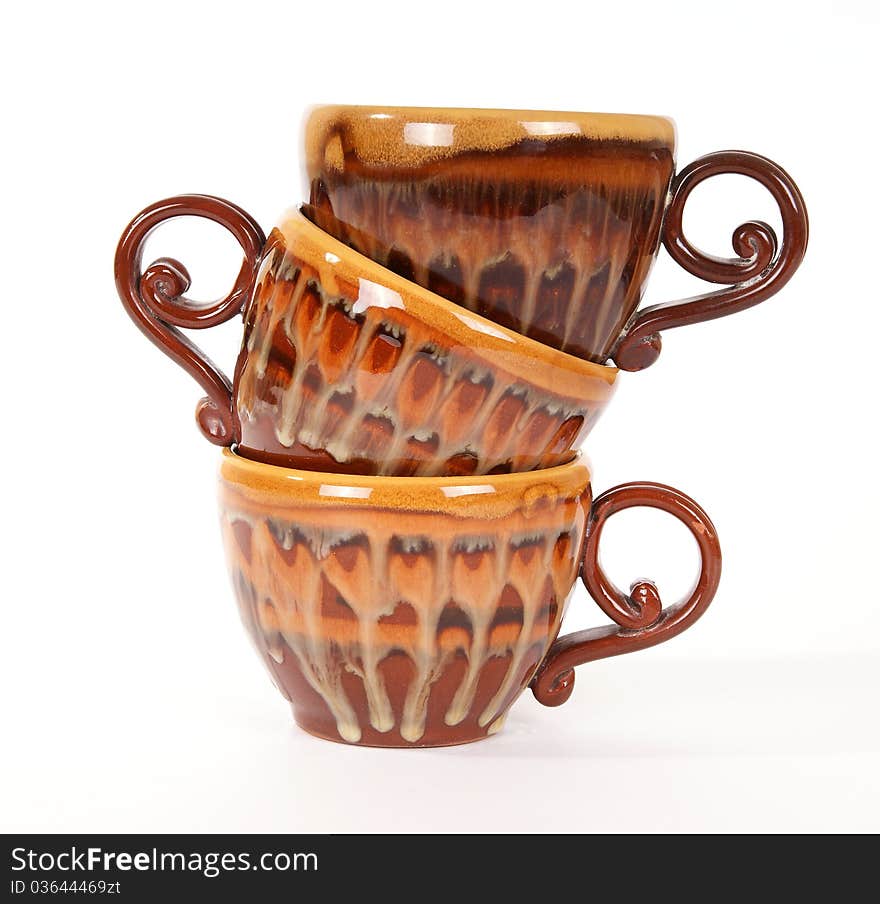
427	343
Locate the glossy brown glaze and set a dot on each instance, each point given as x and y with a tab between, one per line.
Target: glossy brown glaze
411	612
544	222
762	268
402	611
155	299
348	367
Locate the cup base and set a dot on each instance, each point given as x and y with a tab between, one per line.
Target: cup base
394	741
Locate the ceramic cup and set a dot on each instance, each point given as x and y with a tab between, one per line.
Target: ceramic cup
412	611
346	366
545	222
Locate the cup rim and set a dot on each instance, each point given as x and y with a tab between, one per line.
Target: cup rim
497	126
469	328
275	485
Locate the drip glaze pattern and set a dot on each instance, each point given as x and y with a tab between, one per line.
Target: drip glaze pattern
545	223
415	619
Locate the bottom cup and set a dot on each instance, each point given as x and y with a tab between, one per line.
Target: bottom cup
413	611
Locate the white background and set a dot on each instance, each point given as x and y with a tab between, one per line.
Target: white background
131	697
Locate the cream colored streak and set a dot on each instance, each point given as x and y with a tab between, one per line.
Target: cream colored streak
299	590
528	581
429	659
481	617
619	244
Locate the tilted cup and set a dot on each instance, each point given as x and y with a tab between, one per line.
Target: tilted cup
402	612
346	366
545	222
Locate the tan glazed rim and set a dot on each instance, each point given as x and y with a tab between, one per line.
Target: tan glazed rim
539	364
489	495
378	134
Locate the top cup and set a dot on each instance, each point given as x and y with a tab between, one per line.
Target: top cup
546	223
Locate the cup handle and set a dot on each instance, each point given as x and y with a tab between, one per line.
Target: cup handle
641	620
762	267
155	300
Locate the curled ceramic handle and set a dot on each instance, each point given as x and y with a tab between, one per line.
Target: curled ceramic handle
762	268
640	617
154	299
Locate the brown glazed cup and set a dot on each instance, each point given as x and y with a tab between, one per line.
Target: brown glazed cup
545	222
412	612
347	367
